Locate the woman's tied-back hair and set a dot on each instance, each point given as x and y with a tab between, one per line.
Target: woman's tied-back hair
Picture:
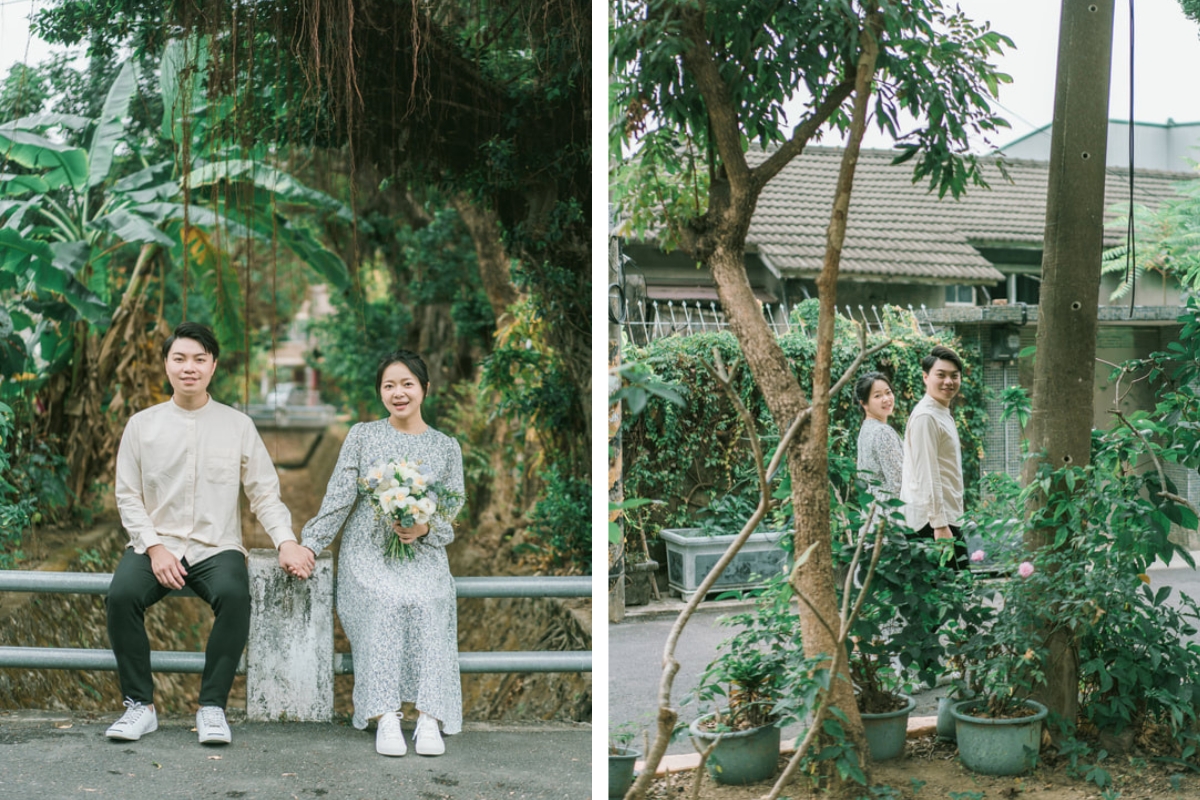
862	389
408	358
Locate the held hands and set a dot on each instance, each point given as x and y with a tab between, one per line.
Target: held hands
410	535
167	569
297	560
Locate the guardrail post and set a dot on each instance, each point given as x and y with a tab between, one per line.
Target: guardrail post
289	658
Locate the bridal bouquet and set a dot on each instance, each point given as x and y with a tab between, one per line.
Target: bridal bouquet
401	491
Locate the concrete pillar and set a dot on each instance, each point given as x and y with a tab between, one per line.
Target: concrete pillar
289	658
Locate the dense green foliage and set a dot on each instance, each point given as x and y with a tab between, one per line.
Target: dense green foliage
486	106
933	65
693	456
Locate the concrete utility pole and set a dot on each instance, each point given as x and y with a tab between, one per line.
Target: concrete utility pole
1064	368
616	490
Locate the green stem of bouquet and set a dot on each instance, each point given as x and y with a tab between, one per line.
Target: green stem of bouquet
398	549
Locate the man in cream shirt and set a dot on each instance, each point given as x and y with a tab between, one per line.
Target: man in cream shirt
178	473
931	485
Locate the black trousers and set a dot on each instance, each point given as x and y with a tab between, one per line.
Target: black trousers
961	560
221	581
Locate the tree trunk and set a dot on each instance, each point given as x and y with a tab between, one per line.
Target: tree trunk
494	272
810	476
1064	369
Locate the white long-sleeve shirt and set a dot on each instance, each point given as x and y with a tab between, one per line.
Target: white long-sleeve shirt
178	476
931	485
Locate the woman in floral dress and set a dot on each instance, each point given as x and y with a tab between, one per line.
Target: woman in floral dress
400	614
880	451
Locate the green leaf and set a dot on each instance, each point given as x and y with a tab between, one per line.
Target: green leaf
181	80
51	268
129	227
219	281
63	164
111	126
280	185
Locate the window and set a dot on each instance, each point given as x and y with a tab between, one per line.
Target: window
960	295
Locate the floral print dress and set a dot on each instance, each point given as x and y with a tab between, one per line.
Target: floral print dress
400	615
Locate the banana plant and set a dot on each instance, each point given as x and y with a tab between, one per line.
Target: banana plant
74	204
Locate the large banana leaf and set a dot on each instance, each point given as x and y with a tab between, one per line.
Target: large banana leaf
64	164
184	65
127	226
218	280
51	268
15	185
281	186
269	227
112	124
42	121
148	185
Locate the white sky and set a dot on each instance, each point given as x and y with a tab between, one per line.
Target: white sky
1166	53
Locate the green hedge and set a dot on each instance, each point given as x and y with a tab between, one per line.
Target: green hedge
687	456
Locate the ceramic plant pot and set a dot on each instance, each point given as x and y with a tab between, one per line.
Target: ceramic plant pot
887	732
740	757
998	746
620	770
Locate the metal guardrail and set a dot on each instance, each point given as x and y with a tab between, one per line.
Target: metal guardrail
177	661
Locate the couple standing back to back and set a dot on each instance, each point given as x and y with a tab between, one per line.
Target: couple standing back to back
925	471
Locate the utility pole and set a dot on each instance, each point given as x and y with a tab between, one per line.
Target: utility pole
616	490
1064	365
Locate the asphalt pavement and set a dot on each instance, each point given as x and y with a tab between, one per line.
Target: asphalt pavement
53	756
636	648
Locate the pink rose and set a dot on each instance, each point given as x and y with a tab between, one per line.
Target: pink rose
1026	569
978	556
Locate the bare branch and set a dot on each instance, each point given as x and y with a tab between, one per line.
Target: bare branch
1162	476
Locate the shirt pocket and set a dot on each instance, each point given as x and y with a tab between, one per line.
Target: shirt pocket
222	467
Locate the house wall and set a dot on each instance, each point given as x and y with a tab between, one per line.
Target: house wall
1151	289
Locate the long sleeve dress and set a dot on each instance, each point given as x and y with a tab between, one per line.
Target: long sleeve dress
880	457
400	615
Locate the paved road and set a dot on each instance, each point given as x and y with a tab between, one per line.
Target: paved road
635	656
49	756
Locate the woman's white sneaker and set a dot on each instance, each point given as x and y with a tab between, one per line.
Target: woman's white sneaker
427	740
138	720
389	738
211	725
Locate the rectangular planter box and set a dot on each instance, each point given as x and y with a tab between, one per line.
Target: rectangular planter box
691	556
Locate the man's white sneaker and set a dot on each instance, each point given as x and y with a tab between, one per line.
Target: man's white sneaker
389	739
427	740
138	720
211	725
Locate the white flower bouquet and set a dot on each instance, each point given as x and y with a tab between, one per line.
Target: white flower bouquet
401	491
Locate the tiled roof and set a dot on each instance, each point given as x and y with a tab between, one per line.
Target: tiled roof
900	230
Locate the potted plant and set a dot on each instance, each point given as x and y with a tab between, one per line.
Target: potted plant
895	640
998	726
757	684
621	759
693	552
882	705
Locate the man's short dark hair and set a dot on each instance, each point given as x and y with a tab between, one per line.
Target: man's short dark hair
197	332
941	353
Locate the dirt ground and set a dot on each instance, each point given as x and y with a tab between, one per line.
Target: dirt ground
929	770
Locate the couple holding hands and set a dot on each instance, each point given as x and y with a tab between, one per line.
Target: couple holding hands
179	470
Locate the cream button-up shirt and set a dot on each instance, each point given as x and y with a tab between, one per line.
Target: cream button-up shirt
931	485
178	476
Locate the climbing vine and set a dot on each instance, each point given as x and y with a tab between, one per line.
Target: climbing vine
694	457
